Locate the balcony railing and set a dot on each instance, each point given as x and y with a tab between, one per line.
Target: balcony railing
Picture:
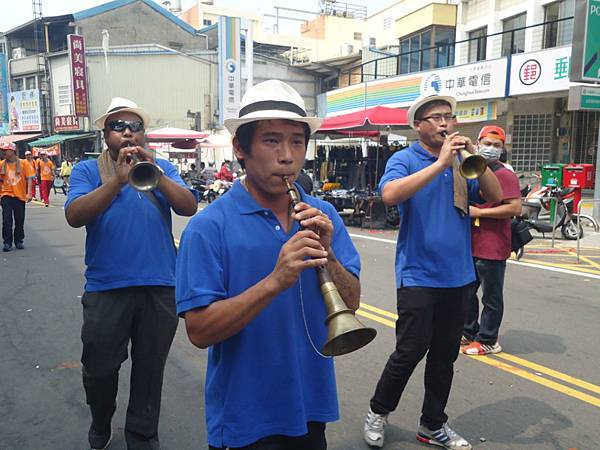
550	34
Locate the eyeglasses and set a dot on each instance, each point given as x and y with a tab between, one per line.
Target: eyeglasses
439	117
120	125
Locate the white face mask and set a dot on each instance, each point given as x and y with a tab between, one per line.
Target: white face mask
490	153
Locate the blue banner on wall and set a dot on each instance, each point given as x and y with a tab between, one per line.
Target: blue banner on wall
3	96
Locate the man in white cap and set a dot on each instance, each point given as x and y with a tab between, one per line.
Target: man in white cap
434	267
15	190
130	277
246	287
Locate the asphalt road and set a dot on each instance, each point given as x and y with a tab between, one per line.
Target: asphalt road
542	393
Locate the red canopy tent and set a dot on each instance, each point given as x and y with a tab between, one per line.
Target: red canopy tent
366	122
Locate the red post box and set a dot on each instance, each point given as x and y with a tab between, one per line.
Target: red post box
579	176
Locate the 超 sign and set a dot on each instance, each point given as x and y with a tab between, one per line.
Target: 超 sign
229	67
79	87
543	71
24	111
586	41
469	82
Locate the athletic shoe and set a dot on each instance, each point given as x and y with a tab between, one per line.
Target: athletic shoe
477	348
445	437
99	441
7	248
465	341
374	428
19	245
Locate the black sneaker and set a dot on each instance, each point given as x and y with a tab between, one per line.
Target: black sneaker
19	245
7	248
99	441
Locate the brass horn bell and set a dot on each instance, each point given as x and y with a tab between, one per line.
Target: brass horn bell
345	333
472	166
144	175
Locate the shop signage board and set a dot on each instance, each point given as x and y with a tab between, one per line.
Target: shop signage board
79	85
53	150
584	98
586	41
482	80
4	125
543	71
229	67
24	111
66	123
467	112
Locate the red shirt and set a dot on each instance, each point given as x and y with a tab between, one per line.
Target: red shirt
225	174
492	238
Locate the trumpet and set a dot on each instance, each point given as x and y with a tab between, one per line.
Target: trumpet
345	333
144	175
471	166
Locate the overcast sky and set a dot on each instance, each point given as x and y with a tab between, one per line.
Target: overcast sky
20	11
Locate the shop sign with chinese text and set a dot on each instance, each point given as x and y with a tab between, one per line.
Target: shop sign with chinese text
79	87
24	111
66	123
543	71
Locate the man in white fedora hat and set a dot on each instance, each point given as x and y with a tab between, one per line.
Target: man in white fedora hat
130	276
434	267
246	289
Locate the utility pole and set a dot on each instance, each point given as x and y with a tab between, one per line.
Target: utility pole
40	40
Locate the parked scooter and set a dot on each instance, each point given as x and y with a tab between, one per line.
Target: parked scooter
565	220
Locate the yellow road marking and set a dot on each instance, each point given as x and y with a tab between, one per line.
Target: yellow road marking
553	373
575	267
540	380
387	322
587	398
587	260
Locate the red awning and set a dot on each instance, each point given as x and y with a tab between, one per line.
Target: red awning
366	120
19	137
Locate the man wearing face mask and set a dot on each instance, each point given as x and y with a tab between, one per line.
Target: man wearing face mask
491	239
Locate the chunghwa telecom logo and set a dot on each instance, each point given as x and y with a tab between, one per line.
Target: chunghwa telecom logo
433	82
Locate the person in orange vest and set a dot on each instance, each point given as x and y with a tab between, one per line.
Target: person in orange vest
15	190
34	182
46	169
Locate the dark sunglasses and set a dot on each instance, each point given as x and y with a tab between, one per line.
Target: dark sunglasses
120	125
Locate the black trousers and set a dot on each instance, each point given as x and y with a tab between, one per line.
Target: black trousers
12	207
313	440
429	322
146	317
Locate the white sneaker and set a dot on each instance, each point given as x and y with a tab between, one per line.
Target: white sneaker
374	428
445	437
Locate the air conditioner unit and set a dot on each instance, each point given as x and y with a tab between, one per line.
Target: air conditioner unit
346	49
18	53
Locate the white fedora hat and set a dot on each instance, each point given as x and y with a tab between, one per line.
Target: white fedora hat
270	100
119	104
428	98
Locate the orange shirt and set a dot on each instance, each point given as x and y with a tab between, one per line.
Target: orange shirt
15	185
46	170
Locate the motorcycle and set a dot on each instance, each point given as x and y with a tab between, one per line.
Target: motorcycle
533	208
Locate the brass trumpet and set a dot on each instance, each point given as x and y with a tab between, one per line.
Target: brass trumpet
471	166
345	333
144	175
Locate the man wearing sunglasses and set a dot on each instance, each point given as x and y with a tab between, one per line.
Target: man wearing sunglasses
130	276
434	268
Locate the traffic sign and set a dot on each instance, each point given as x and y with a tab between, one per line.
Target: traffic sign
585	65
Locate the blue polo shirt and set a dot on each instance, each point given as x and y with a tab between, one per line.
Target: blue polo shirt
434	239
267	379
129	244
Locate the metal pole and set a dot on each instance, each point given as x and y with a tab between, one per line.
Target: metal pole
578	226
596	210
554	221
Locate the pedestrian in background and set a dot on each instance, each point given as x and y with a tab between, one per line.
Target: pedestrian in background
65	171
34	182
130	276
491	243
16	176
46	168
434	267
247	288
